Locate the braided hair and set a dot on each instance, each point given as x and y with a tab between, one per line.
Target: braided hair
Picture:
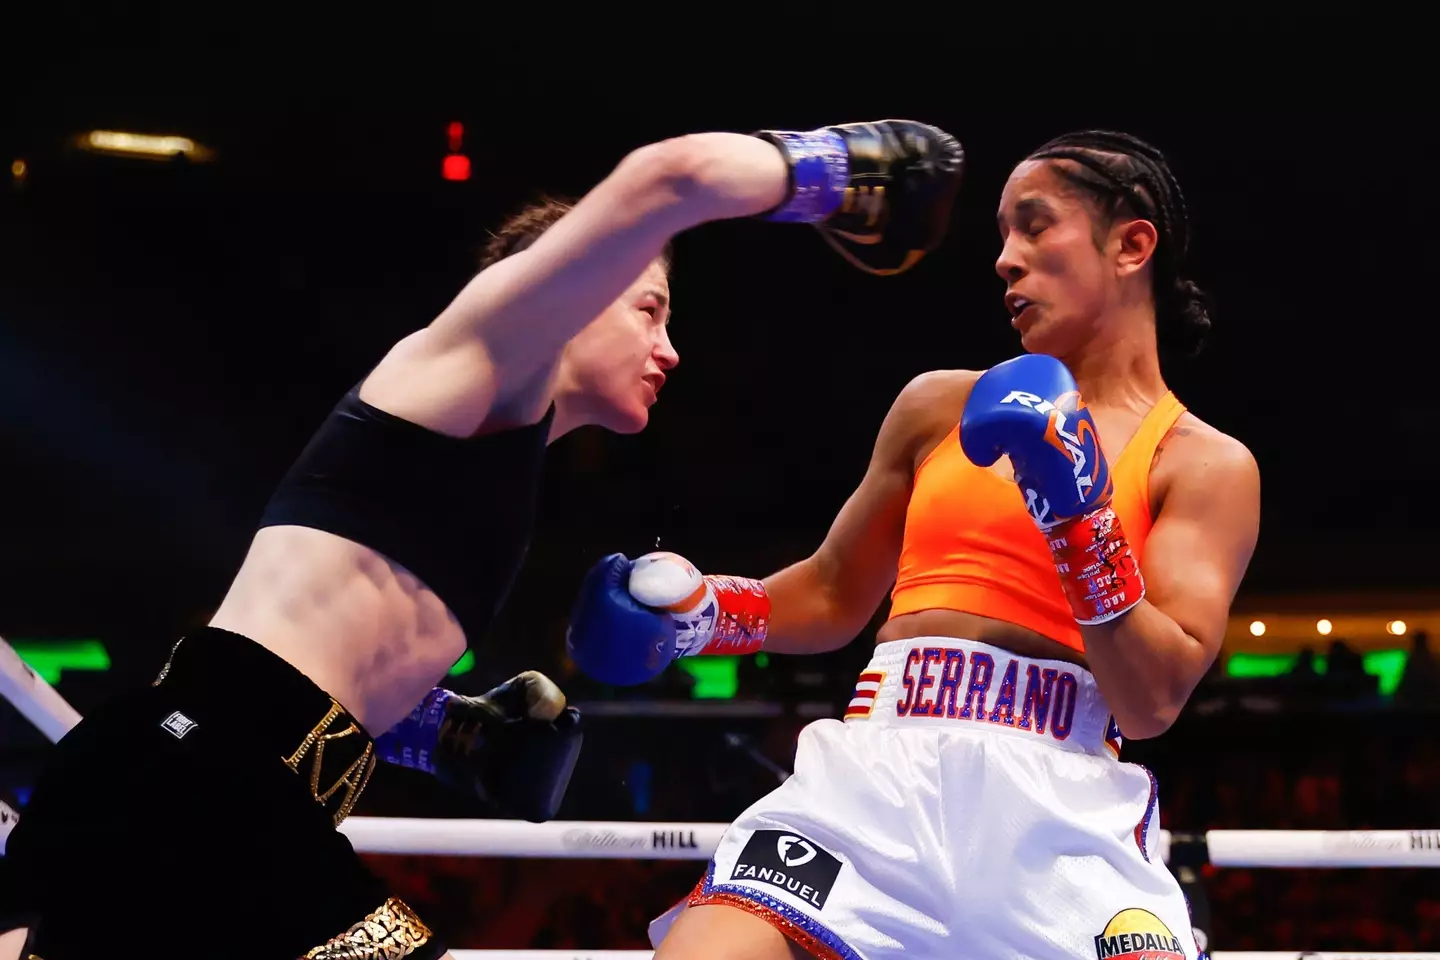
1124	174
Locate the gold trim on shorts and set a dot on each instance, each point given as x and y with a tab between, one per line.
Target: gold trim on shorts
389	933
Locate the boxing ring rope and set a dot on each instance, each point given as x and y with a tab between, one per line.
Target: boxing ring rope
628	840
36	700
43	706
599	839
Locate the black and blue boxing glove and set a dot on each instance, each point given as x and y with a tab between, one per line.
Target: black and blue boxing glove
514	747
1030	410
880	193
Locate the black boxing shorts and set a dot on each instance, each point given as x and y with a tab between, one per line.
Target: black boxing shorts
196	818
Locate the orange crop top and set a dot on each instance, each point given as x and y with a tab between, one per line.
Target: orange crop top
971	546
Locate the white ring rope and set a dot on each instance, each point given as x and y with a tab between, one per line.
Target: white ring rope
36	700
601	839
647	954
43	706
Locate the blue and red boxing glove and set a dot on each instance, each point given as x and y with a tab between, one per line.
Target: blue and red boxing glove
1029	409
633	617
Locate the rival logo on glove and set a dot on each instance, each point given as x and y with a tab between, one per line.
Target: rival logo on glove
1079	444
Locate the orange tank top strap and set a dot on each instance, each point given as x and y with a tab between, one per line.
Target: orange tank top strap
1131	471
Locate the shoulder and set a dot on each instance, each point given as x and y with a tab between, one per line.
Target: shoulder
1196	457
938	386
926	410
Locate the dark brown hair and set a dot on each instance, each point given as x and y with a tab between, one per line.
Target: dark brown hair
1122	174
524	227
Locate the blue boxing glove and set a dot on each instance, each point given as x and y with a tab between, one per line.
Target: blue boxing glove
612	637
1029	409
635	616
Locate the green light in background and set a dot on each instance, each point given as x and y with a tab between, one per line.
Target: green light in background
716	678
1387	665
762	660
1259	664
50	658
465	664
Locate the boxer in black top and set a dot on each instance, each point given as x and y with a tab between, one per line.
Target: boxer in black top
197	817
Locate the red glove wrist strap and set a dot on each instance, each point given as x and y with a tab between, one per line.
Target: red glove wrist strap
1097	570
743	618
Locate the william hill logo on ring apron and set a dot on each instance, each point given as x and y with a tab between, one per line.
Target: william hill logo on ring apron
1136	934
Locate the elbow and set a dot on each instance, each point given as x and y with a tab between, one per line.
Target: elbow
809	612
1147	722
847	612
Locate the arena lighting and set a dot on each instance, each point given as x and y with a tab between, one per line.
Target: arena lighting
464	665
456	165
1387	666
1323	627
1257	628
51	658
716	678
1395	628
144	145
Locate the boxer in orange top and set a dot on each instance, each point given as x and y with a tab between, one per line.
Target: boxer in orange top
973	803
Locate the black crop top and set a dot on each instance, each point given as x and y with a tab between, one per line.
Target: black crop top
457	513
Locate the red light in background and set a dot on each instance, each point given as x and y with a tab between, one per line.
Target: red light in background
456	167
456	132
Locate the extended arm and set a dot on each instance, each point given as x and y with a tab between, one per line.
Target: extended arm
634	617
505	330
490	357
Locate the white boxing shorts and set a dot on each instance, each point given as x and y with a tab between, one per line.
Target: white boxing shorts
972	804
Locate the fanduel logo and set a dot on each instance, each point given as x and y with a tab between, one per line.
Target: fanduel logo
805	851
789	862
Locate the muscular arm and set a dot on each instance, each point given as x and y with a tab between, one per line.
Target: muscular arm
481	360
825	600
1149	661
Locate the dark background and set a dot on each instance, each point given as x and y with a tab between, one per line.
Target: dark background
170	335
